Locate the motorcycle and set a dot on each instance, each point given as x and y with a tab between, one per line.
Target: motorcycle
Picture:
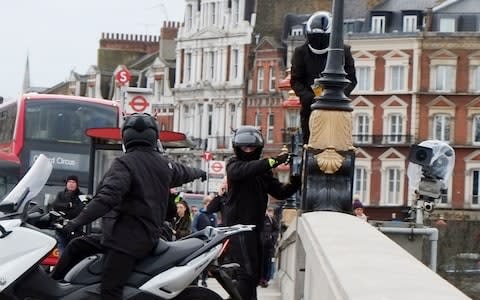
50	223
165	274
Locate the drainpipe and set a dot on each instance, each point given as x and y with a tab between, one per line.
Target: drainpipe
432	235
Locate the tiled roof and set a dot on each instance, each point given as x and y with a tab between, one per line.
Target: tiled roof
355	9
399	5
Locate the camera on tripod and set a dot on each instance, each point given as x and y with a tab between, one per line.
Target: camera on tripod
430	169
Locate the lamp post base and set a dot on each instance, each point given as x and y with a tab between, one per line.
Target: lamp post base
323	191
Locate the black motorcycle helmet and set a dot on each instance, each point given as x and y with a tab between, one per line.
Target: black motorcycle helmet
318	29
139	130
247	136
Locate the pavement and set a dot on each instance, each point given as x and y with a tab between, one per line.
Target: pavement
272	292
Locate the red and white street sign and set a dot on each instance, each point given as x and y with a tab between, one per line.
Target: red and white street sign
139	103
216	174
123	76
207	156
216	167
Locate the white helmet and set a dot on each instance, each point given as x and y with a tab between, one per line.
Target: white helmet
319	22
318	29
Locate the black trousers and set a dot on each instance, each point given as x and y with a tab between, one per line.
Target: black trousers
268	251
304	123
117	265
245	249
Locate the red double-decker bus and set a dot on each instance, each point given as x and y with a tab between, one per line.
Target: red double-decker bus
54	125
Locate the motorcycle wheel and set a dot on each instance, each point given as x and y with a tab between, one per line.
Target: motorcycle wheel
198	293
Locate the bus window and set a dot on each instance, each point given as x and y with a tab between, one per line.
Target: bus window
7	123
6	185
103	160
65	121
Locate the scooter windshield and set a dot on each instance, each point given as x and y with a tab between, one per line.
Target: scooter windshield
29	186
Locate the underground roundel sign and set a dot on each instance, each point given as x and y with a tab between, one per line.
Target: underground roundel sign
217	167
138	103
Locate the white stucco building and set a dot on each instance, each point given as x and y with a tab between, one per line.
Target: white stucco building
211	59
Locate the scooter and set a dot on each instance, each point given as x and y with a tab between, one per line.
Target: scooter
166	274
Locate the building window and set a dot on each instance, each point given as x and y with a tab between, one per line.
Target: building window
360	183
447	25
258	119
443	197
378	24
189	17
160	91
444	78
475	78
362	128
393	186
211	65
199	121
349	27
364	75
270	126
409	23
397	78
297	31
271	75
210	119
235	59
91	91
475	187
233	116
235	11
476	129
188	67
213	16
260	78
395	126
441	127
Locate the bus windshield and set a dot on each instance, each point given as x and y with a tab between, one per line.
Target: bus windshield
64	121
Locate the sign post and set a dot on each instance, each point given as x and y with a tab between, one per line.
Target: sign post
123	78
207	156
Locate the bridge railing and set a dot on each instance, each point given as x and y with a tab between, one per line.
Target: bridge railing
328	255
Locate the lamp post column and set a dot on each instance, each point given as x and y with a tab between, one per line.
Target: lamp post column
329	155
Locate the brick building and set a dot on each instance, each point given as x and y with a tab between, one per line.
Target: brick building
417	66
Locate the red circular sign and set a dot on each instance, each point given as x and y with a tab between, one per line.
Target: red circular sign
217	167
207	156
123	76
138	103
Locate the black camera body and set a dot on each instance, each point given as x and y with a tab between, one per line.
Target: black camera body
420	155
429	188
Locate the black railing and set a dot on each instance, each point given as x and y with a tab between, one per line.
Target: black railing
363	139
222	142
200	144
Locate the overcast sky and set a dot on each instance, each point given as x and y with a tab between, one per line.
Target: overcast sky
61	35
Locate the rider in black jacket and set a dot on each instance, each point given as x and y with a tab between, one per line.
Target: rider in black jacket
250	181
308	62
132	198
68	202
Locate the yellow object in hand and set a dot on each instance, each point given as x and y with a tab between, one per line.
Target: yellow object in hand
317	90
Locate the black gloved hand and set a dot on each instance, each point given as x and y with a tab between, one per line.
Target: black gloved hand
203	177
69	228
296	181
283	158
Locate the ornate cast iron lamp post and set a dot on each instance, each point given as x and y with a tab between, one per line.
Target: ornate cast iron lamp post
329	156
